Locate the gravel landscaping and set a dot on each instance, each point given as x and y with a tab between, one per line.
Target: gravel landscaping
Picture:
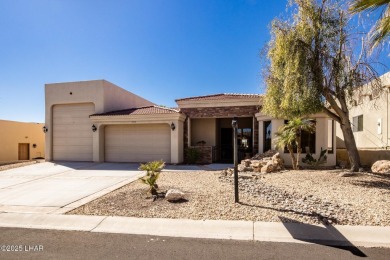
308	196
6	165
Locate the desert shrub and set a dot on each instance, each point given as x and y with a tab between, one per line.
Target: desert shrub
193	155
309	159
153	170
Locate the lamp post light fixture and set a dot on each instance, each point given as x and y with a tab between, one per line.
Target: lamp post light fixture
45	129
235	152
94	128
173	127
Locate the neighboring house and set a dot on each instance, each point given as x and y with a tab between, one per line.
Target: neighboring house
370	118
98	121
21	141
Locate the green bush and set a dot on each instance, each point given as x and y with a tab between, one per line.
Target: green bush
193	155
153	170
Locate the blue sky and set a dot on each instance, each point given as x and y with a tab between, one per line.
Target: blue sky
159	49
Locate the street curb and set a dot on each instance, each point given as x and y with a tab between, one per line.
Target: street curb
366	236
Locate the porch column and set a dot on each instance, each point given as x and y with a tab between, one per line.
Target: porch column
261	136
189	131
261	119
98	143
177	145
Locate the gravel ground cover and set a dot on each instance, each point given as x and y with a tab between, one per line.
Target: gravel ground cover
307	196
6	165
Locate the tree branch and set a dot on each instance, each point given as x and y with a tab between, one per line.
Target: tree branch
332	115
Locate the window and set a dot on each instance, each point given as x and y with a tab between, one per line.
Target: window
330	136
308	142
267	136
244	138
357	123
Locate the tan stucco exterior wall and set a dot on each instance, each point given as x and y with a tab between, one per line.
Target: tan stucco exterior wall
375	111
12	133
116	98
103	94
203	129
367	156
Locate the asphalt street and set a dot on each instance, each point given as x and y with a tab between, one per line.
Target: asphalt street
18	243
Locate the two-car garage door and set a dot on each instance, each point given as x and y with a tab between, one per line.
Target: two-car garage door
137	143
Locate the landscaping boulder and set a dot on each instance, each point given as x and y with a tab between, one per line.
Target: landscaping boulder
265	163
247	162
382	166
277	161
256	164
269	167
261	156
174	195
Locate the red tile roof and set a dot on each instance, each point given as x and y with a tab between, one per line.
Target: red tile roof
222	96
140	111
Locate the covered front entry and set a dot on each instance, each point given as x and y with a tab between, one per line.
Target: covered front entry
137	143
215	135
225	139
72	134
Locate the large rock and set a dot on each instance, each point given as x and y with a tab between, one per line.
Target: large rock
247	163
174	195
267	162
269	167
277	160
382	166
255	163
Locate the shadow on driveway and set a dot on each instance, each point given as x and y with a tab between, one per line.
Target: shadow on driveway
106	166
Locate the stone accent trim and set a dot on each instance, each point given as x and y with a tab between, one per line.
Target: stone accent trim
185	135
206	154
255	136
218	112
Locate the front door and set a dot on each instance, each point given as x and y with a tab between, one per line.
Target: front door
227	145
24	151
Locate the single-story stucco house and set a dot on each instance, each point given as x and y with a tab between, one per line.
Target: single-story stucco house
98	121
21	141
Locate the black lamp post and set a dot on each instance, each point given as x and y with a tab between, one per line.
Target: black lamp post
235	152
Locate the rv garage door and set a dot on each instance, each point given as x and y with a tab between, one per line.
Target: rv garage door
137	143
72	133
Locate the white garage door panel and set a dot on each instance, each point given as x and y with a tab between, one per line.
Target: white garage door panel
72	133
137	143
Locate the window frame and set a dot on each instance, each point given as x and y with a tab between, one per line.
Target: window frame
357	123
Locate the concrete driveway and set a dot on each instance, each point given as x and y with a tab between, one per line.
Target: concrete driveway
59	187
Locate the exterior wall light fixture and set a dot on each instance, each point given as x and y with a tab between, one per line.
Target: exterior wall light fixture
45	129
173	127
94	128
